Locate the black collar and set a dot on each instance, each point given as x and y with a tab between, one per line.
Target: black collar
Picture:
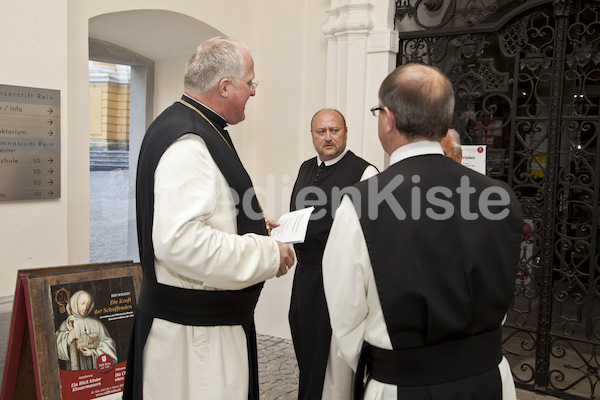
215	118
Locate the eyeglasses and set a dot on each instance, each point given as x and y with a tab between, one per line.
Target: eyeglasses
252	84
375	110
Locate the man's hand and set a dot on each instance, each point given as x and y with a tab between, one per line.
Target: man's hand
71	336
272	223
286	258
85	351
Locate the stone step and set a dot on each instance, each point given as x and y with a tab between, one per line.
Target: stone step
108	160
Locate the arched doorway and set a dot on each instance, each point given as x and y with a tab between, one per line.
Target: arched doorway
142	39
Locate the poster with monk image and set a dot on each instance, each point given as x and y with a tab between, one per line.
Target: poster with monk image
93	322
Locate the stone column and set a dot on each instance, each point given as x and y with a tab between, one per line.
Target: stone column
361	51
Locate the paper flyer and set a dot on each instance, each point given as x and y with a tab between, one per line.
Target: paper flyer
474	157
292	226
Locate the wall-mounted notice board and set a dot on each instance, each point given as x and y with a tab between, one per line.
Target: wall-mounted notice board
30	132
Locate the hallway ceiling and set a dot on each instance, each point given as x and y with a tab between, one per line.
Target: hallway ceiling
155	34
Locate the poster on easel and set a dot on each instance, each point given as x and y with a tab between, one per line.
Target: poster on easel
70	332
92	322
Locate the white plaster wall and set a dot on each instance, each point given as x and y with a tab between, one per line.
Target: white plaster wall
34	53
168	85
45	44
290	58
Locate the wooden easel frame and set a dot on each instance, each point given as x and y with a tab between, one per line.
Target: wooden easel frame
30	355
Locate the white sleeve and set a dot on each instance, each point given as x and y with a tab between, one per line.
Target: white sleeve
344	261
369	172
194	233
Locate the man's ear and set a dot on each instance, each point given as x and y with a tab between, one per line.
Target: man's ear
224	87
390	120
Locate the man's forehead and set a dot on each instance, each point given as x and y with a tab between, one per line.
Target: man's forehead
331	118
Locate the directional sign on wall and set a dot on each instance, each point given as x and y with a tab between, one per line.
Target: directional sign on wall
29	143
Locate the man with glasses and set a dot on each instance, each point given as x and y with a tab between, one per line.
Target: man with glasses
204	255
323	375
419	268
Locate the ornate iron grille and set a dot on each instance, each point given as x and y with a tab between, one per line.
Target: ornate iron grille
527	81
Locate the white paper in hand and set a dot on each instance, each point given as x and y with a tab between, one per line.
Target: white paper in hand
292	226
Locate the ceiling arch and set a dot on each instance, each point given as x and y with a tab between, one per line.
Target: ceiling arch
155	34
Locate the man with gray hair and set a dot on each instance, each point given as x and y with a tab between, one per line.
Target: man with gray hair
451	145
204	253
421	324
